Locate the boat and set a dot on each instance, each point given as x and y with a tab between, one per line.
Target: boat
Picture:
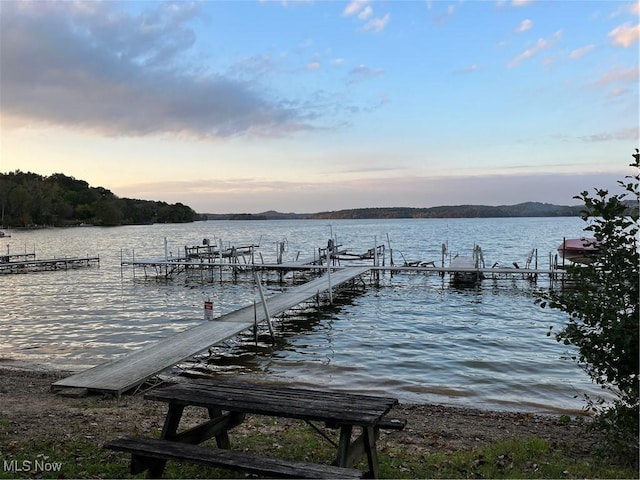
579	250
4	234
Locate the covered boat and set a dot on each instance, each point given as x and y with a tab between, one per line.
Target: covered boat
579	250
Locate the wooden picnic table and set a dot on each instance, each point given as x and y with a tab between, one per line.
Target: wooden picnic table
227	403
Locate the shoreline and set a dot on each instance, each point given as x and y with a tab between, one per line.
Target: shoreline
29	410
8	363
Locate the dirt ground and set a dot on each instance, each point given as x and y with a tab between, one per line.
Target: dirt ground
28	410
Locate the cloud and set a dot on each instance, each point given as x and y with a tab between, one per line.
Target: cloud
287	3
255	66
468	69
441	18
540	45
513	3
363	10
365	13
377	24
362	72
622	134
628	75
618	92
521	3
314	65
94	67
581	52
354	7
255	196
625	35
524	26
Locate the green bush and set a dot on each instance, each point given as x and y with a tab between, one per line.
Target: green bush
602	300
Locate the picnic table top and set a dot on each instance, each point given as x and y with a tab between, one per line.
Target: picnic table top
332	407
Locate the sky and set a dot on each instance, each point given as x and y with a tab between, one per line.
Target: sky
308	106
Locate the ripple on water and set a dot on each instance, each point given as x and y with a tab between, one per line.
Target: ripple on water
413	336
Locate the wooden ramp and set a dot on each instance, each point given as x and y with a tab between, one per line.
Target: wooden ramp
130	370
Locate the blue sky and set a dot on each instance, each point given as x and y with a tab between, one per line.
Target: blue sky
307	106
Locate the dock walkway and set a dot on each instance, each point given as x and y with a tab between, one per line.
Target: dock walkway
130	370
8	265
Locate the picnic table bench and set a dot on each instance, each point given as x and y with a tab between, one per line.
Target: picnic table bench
228	402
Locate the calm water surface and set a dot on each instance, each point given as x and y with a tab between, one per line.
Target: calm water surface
413	335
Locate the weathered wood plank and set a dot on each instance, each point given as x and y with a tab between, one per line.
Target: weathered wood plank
212	428
231	459
338	408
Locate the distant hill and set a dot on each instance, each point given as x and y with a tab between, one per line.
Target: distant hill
527	209
270	215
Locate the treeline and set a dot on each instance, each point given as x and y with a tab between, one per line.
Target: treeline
29	199
270	215
527	209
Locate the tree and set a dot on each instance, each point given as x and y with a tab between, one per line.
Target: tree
60	200
602	300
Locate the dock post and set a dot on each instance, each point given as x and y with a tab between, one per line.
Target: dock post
255	323
376	260
329	279
220	256
264	304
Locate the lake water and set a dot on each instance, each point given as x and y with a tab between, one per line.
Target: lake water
413	335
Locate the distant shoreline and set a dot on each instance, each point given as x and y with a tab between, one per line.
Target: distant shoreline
527	209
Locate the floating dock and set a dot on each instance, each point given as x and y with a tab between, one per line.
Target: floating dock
130	370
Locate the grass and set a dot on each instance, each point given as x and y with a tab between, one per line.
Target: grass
525	458
79	457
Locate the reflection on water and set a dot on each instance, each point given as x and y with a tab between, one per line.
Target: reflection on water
413	335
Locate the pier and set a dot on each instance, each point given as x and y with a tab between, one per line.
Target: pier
131	370
27	263
329	268
210	264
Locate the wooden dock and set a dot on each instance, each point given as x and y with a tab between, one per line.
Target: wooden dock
130	370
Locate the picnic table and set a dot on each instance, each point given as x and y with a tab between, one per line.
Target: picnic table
227	403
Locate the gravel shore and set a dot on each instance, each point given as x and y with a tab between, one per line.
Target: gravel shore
29	410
